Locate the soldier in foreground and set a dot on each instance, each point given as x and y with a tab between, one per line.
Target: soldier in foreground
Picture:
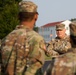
66	63
23	49
61	43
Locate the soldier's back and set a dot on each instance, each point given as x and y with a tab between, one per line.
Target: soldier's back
17	45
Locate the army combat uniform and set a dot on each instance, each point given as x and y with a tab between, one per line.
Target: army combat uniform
20	49
23	49
58	46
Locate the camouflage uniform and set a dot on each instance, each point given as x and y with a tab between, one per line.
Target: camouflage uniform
23	49
59	46
19	45
63	65
66	63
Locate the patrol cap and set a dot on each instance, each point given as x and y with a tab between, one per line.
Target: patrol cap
27	6
60	26
72	29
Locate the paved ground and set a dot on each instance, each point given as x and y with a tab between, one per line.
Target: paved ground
45	65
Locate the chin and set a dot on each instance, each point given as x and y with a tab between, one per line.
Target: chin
59	36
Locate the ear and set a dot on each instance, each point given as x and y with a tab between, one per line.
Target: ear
36	17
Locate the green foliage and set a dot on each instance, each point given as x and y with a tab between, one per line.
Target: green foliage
74	19
8	16
35	28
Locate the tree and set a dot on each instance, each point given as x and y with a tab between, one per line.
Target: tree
73	19
8	16
35	28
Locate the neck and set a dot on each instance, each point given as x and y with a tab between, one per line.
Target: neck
29	24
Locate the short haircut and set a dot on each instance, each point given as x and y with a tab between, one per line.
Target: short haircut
26	16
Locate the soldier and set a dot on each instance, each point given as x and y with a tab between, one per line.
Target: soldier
23	49
61	43
66	63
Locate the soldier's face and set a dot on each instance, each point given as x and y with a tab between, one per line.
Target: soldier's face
60	33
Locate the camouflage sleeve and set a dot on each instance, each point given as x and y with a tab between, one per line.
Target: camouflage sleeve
42	50
51	51
6	47
62	46
63	65
66	47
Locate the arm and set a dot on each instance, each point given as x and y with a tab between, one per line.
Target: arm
62	46
51	51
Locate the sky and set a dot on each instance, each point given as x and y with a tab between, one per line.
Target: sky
55	10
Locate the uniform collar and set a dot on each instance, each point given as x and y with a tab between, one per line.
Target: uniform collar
22	27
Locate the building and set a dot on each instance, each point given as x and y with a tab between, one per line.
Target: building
67	22
48	31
